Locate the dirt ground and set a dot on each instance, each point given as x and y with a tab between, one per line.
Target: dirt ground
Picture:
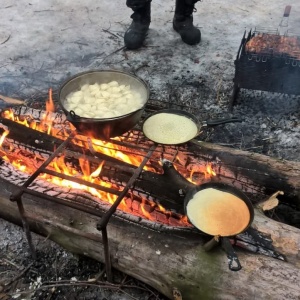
42	43
58	274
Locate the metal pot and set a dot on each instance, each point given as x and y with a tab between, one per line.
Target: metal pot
221	238
103	128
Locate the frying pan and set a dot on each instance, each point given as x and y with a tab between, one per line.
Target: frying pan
219	210
161	126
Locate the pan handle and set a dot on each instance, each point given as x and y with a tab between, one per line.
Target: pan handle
71	116
233	261
221	121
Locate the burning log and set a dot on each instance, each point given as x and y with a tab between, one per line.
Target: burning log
253	173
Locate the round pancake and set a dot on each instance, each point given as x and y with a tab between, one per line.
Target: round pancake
169	128
218	213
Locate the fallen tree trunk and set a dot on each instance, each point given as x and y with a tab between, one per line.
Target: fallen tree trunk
166	260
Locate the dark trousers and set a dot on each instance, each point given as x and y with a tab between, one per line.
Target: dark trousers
137	4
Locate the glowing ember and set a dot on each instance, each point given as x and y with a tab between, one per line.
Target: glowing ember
207	171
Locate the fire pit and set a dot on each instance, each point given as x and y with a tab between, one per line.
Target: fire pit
127	172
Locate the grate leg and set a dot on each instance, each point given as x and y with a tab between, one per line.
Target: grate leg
234	96
26	228
106	254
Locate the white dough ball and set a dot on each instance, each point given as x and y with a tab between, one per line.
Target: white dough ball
103	86
106	100
113	83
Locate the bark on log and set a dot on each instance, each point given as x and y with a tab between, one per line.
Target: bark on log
166	260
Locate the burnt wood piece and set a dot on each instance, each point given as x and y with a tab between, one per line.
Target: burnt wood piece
43	142
254	173
168	261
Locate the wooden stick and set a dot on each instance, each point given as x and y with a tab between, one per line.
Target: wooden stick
10	100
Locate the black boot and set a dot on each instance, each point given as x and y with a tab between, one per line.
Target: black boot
183	22
137	32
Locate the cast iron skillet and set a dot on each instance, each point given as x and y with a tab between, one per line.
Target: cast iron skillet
103	128
199	123
233	260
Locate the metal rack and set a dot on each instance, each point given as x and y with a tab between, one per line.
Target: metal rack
105	218
265	71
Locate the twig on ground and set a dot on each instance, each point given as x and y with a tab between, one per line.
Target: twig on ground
140	67
116	51
11	263
5	40
98	276
19	275
70	283
107	31
254	147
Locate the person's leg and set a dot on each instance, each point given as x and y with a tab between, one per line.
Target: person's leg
141	18
183	22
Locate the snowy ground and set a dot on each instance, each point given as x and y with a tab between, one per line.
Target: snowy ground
44	42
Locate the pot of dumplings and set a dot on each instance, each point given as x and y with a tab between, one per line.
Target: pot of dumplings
221	211
104	103
173	126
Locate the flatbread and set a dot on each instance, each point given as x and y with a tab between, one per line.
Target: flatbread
218	213
170	128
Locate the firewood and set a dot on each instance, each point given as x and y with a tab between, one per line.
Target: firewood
10	100
173	259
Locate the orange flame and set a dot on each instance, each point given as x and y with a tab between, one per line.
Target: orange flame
58	164
3	136
49	103
209	171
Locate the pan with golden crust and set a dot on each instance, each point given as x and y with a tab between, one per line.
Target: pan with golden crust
221	211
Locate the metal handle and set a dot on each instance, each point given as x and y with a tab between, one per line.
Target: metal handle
233	261
221	121
71	116
285	18
287	11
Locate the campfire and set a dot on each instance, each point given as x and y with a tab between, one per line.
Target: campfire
127	179
99	177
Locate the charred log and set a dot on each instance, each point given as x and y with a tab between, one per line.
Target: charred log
171	260
252	172
255	174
